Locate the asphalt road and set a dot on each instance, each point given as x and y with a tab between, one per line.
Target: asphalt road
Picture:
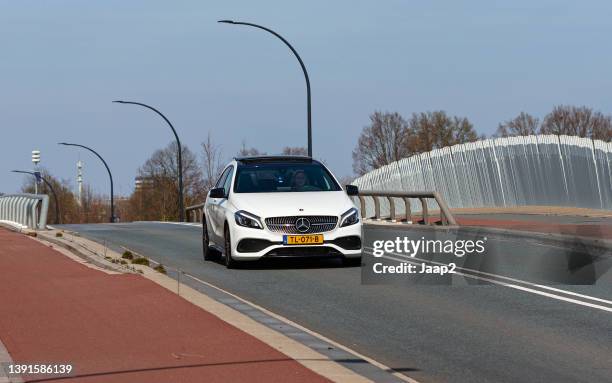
474	330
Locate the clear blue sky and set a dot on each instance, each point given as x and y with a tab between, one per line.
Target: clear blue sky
62	62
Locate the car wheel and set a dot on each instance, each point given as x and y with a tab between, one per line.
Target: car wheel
230	262
206	250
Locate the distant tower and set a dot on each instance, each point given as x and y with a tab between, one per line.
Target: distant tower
36	160
79	182
35	157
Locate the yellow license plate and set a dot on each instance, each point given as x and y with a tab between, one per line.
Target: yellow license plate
314	239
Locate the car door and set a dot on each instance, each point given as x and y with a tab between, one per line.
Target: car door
222	205
210	210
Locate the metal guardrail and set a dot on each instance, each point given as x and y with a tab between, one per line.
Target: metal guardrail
194	213
446	217
25	210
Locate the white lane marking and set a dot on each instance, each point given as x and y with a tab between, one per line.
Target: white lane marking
574	294
404	258
194	224
524	282
397	374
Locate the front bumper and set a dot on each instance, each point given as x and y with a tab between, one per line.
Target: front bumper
253	244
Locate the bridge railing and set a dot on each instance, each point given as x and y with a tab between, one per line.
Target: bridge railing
446	217
25	210
506	172
194	213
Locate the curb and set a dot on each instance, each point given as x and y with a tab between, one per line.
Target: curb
101	263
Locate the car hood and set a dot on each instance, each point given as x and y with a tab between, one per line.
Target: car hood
288	204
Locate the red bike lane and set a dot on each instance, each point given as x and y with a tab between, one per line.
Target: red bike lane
121	327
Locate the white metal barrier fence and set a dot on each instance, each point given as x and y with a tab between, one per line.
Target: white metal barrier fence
25	210
503	172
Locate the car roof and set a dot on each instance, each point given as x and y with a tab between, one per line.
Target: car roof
272	159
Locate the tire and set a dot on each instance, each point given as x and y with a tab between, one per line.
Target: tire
230	262
206	250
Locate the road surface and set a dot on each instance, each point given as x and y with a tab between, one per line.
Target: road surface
470	332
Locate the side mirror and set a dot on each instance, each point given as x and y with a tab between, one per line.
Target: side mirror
351	190
217	193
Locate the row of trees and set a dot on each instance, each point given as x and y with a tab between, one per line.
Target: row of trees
390	137
563	119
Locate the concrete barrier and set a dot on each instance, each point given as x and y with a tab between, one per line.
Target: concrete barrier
24	210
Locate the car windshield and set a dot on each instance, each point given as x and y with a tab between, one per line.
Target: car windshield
284	177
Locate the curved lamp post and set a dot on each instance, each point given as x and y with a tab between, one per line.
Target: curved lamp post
301	64
110	175
180	156
57	212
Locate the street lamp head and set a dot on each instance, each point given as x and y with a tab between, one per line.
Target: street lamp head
227	21
119	102
62	143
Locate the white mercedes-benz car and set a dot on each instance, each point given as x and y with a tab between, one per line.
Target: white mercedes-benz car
280	206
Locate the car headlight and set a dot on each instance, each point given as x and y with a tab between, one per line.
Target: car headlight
350	217
246	219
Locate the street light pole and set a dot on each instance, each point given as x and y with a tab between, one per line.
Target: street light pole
181	206
308	103
57	212
110	175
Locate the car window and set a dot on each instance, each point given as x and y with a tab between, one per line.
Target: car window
221	180
283	177
228	180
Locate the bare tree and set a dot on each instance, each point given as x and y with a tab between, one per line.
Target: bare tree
161	171
578	121
295	151
211	162
522	125
385	140
436	129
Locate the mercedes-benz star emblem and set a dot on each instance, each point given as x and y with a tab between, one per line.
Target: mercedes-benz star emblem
302	225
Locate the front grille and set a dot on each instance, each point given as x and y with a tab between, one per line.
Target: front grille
286	225
300	251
